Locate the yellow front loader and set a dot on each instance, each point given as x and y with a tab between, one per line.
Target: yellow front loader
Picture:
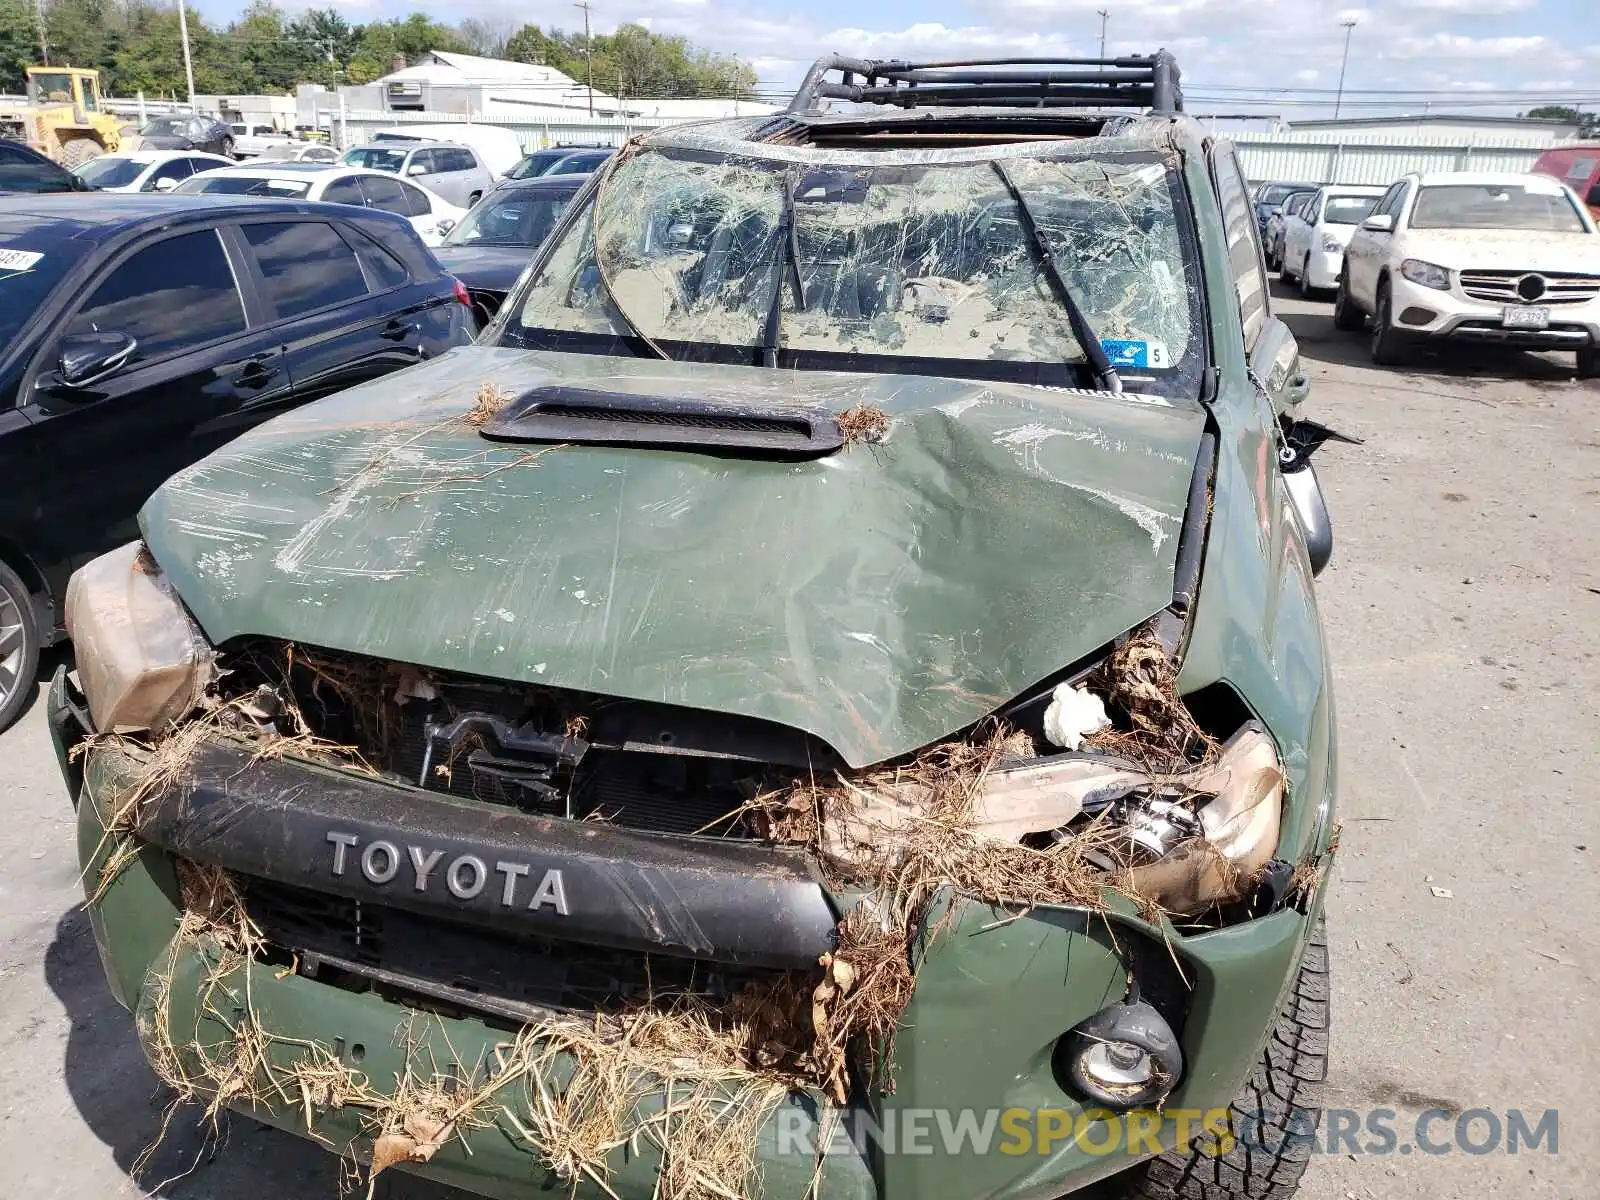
64	116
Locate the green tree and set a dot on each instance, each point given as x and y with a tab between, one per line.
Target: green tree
385	43
1588	123
633	61
328	42
19	43
265	58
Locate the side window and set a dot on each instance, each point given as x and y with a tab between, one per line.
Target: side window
384	270
1244	251
344	191
1389	205
177	171
171	296
306	265
1398	206
461	160
417	202
423	159
383	192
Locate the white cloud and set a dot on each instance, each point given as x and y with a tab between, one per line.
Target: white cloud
1455	46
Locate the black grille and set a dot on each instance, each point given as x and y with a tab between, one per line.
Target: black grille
663	792
505	973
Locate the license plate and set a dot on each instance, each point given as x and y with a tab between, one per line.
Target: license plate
1526	318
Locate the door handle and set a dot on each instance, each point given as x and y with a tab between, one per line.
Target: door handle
255	373
396	331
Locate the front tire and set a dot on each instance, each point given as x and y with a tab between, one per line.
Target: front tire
1307	292
1588	363
1388	347
1347	318
1279	1104
77	151
19	645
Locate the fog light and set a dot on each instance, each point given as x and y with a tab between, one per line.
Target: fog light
1124	1056
1415	314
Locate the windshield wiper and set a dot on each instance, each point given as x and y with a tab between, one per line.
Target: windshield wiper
788	251
1106	377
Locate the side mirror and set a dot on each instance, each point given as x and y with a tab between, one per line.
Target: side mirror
417	169
444	224
1301	439
87	358
1379	223
165	185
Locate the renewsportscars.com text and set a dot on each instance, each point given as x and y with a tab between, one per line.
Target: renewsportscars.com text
1098	1131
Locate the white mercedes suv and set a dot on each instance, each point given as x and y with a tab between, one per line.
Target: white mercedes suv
1501	258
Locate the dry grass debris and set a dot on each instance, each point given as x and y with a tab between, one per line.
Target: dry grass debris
863	423
1140	679
490	401
692	1078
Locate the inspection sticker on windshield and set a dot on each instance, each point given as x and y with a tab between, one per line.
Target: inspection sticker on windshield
18	260
1129	352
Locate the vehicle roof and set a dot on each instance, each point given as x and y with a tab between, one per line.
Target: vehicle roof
547	183
153	157
292	166
1441	178
408	144
783	135
96	215
1355	189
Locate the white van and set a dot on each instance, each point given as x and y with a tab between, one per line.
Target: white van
500	149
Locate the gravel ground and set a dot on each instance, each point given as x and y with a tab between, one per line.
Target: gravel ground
1463	608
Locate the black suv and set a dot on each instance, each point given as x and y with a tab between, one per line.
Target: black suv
139	333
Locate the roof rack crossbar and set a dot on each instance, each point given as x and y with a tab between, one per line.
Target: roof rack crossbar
1150	81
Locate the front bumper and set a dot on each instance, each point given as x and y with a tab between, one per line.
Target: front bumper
995	993
1430	313
1323	268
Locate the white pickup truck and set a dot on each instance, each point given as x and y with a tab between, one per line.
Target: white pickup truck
251	140
1499	258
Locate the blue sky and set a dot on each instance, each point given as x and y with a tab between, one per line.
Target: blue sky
1470	50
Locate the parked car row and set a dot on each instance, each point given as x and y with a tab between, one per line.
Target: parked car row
1489	258
185	299
145	331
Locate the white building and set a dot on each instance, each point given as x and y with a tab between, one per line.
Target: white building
496	89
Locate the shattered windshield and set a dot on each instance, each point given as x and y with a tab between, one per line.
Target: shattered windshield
869	265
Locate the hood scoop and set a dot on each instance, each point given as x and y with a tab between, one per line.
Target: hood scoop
579	415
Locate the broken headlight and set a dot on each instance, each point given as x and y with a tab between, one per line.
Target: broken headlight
142	661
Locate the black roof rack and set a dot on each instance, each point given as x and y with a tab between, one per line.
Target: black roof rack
1143	81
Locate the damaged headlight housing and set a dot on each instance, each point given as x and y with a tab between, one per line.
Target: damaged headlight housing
142	661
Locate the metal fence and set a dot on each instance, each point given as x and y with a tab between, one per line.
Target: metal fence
350	127
1317	157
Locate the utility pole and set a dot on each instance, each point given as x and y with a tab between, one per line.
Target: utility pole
188	63
44	40
1338	99
1104	17
588	53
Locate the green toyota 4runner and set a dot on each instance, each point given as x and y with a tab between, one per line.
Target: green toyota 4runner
826	695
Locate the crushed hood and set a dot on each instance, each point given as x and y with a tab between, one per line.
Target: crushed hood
880	598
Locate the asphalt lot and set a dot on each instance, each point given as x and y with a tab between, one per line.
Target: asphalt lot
1463	609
